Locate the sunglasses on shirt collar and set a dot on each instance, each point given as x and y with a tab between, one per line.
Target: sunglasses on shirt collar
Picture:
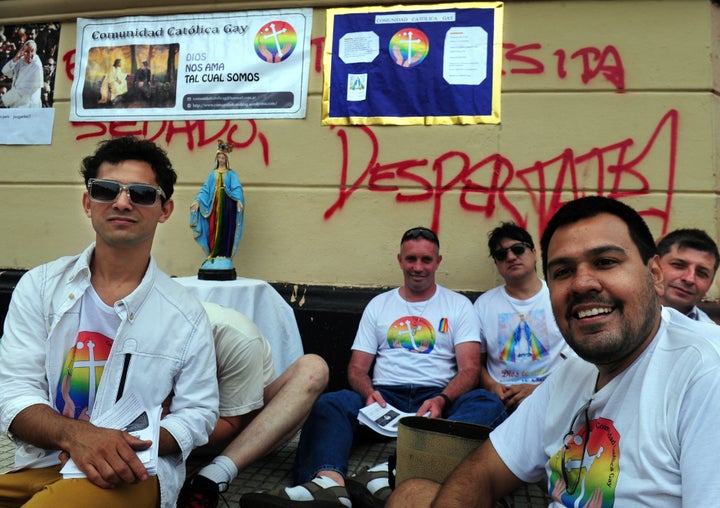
107	191
518	249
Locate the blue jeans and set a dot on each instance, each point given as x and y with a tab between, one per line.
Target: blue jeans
328	434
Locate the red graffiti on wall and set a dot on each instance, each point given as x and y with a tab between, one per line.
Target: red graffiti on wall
318	43
594	62
195	133
527	59
483	186
69	61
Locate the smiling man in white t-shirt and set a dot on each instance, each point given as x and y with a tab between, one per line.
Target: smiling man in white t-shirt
689	259
628	423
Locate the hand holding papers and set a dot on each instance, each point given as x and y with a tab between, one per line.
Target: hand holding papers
383	420
130	416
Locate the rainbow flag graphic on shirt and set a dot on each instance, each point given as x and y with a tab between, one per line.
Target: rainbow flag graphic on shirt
444	326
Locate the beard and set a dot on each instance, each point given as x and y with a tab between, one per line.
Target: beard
607	346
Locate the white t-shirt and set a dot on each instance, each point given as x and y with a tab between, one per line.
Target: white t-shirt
653	429
244	360
522	341
414	342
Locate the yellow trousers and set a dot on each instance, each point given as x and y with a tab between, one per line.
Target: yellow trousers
46	488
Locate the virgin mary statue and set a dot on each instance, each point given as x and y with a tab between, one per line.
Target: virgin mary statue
216	217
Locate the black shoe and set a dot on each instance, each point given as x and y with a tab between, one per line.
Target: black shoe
199	492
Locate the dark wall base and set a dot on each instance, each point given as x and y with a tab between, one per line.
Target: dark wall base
8	281
327	317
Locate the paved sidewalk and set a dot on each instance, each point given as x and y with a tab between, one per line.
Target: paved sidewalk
275	471
7	453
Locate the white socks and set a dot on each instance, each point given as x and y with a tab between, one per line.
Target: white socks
221	470
378	483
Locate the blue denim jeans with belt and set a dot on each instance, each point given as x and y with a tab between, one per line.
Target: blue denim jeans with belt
328	434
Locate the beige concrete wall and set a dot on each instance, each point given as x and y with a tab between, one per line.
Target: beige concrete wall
598	96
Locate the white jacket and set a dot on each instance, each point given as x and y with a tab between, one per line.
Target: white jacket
164	332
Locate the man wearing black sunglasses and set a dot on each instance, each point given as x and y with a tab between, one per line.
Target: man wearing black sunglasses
633	421
86	332
418	349
521	344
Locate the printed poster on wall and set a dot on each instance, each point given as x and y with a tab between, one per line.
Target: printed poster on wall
251	64
28	61
413	65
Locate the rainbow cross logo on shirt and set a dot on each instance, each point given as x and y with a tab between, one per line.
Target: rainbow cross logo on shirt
413	333
81	374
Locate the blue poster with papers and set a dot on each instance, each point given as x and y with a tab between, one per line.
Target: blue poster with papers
413	65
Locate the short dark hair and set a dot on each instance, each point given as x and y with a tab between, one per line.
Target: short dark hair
592	206
128	148
508	230
691	238
420	232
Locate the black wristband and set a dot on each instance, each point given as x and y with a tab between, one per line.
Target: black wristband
446	399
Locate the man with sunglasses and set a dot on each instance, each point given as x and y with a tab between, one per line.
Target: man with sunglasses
418	349
521	344
633	421
86	333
